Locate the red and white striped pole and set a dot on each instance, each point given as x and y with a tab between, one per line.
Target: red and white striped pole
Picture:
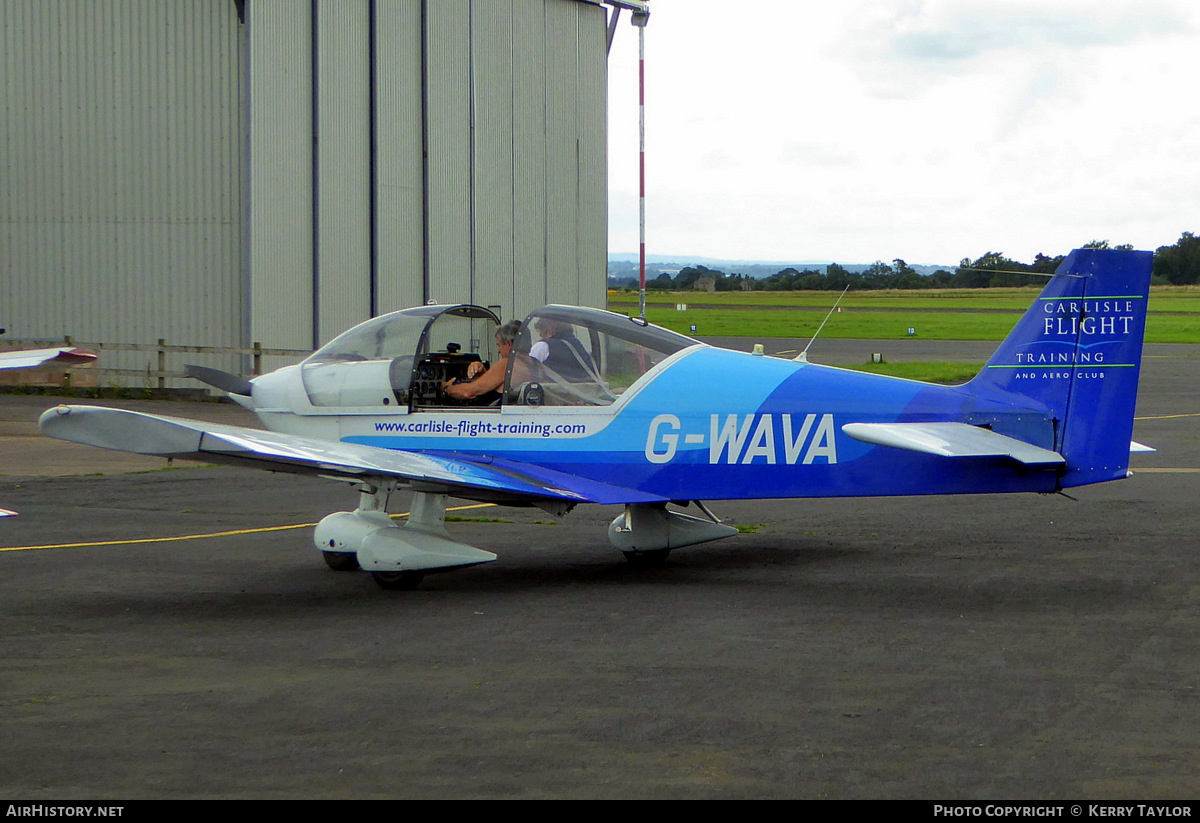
639	20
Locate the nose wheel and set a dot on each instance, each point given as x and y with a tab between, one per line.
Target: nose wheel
398	581
341	561
647	560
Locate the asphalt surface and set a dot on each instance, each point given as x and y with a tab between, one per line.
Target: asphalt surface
972	647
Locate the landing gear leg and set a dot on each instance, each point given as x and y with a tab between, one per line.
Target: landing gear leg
398	557
647	532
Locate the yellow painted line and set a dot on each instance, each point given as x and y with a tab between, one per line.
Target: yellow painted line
1167	416
233	533
1165	471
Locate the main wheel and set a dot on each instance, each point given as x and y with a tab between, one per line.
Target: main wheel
341	561
398	580
647	560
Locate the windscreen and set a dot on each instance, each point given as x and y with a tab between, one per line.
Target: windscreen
570	356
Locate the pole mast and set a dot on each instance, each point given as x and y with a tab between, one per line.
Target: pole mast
640	19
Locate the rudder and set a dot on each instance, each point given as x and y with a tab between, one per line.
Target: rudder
1077	351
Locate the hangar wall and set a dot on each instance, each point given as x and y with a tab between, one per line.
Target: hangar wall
458	155
120	149
218	173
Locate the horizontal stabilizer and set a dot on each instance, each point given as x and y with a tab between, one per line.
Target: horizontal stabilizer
952	440
1139	448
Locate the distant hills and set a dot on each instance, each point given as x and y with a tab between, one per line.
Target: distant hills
622	265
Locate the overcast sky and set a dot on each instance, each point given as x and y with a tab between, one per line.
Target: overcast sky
929	130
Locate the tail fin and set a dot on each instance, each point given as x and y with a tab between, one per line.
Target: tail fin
1078	352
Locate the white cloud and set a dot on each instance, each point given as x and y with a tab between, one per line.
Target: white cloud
930	131
941	33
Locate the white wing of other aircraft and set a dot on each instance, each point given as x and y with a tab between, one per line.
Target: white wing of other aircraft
32	358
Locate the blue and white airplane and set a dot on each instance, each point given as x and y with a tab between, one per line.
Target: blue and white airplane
613	410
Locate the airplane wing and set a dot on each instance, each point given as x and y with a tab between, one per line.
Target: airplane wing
467	476
32	358
952	440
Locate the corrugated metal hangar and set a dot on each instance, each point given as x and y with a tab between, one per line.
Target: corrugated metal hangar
223	172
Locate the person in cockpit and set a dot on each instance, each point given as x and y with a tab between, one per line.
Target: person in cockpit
561	352
485	385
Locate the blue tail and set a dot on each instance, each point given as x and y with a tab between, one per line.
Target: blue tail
1077	352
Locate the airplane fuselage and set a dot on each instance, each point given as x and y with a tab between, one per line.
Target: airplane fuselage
706	423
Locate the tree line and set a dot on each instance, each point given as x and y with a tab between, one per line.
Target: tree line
1178	264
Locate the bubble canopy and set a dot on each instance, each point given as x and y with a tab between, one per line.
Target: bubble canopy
563	356
380	362
406	332
574	356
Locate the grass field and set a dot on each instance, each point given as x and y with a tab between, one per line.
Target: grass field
926	372
956	314
1162	299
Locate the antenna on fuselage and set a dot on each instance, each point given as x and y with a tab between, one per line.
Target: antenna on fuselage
803	356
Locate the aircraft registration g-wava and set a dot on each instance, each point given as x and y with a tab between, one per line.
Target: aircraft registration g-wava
622	412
